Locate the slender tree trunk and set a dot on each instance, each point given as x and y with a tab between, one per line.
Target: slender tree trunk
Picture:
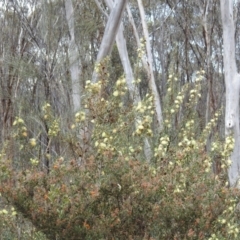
133	89
232	82
207	47
110	33
73	58
149	64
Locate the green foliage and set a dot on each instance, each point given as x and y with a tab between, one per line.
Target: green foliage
112	193
13	226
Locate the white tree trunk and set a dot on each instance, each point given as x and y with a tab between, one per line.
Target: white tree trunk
110	32
149	64
133	89
74	61
123	53
232	82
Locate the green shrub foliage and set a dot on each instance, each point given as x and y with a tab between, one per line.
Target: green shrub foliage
106	189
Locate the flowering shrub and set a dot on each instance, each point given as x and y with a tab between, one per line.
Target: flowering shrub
113	193
13	225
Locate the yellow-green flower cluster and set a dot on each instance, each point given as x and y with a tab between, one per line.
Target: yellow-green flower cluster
171	78
162	148
167	123
172	85
12	212
32	142
233	230
170	81
215	147
195	93
21	127
213	237
141	107
227	220
229	146
179	188
101	68
4	212
54	128
207	164
54	124
153	171
188	142
226	153
34	161
144	112
93	88
80	117
141	48
104	143
133	150
46	111
189	128
211	124
190	124
46	107
180	183
121	83
145	106
144	127
102	146
120	87
199	76
18	121
97	68
178	100
137	81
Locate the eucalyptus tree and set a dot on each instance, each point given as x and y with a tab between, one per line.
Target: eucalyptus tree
38	63
12	50
128	70
73	58
110	33
153	87
232	83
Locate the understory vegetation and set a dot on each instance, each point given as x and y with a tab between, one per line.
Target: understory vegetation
101	186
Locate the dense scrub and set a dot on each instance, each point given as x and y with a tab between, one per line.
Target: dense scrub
108	190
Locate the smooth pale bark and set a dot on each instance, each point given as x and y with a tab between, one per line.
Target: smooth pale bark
232	82
133	89
149	64
123	53
204	10
75	71
74	61
131	20
136	35
110	33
